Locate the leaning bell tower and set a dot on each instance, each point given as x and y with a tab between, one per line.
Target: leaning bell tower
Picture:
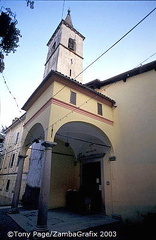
65	50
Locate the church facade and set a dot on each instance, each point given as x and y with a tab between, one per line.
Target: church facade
92	145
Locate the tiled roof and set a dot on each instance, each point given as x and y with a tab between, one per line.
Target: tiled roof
123	76
86	87
67	81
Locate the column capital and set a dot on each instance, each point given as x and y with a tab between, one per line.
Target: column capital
47	144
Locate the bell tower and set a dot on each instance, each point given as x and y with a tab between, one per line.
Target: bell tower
65	50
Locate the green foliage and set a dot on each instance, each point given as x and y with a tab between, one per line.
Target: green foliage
2	65
30	3
9	34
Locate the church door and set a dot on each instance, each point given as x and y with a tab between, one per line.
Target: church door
91	184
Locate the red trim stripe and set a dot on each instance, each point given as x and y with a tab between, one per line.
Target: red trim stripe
71	108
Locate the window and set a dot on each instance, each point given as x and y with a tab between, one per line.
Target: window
73	97
17	136
71	44
7	186
70	72
12	160
99	108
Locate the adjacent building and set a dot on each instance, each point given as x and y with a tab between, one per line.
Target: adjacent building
9	160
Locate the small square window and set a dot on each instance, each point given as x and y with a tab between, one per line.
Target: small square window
99	108
73	97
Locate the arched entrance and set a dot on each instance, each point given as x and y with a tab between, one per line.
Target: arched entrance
78	167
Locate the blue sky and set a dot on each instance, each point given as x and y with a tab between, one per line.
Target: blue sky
101	22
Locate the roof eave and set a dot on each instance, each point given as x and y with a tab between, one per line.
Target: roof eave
47	82
95	84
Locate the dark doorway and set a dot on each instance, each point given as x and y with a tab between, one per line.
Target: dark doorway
91	186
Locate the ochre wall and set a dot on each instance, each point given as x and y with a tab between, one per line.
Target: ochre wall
134	145
64	175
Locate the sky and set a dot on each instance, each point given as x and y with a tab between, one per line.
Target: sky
101	22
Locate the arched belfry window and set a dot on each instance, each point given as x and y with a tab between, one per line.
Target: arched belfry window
71	44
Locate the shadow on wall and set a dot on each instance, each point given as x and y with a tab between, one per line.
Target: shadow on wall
5	201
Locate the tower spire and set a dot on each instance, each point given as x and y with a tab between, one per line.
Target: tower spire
68	19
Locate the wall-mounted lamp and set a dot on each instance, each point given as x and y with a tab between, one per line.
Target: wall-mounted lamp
112	158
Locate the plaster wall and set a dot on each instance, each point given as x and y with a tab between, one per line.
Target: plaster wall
59	120
64	175
59	168
88	103
69	63
52	116
68	33
7	195
9	167
135	137
51	64
36	106
60	58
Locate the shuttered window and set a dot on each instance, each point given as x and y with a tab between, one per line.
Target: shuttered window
12	160
99	108
17	137
7	186
73	97
71	44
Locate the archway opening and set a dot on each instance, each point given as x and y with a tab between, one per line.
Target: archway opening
33	165
77	167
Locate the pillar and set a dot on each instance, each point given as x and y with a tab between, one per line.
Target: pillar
17	188
45	189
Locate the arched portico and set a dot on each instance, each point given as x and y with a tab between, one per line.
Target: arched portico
79	161
35	134
43	154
